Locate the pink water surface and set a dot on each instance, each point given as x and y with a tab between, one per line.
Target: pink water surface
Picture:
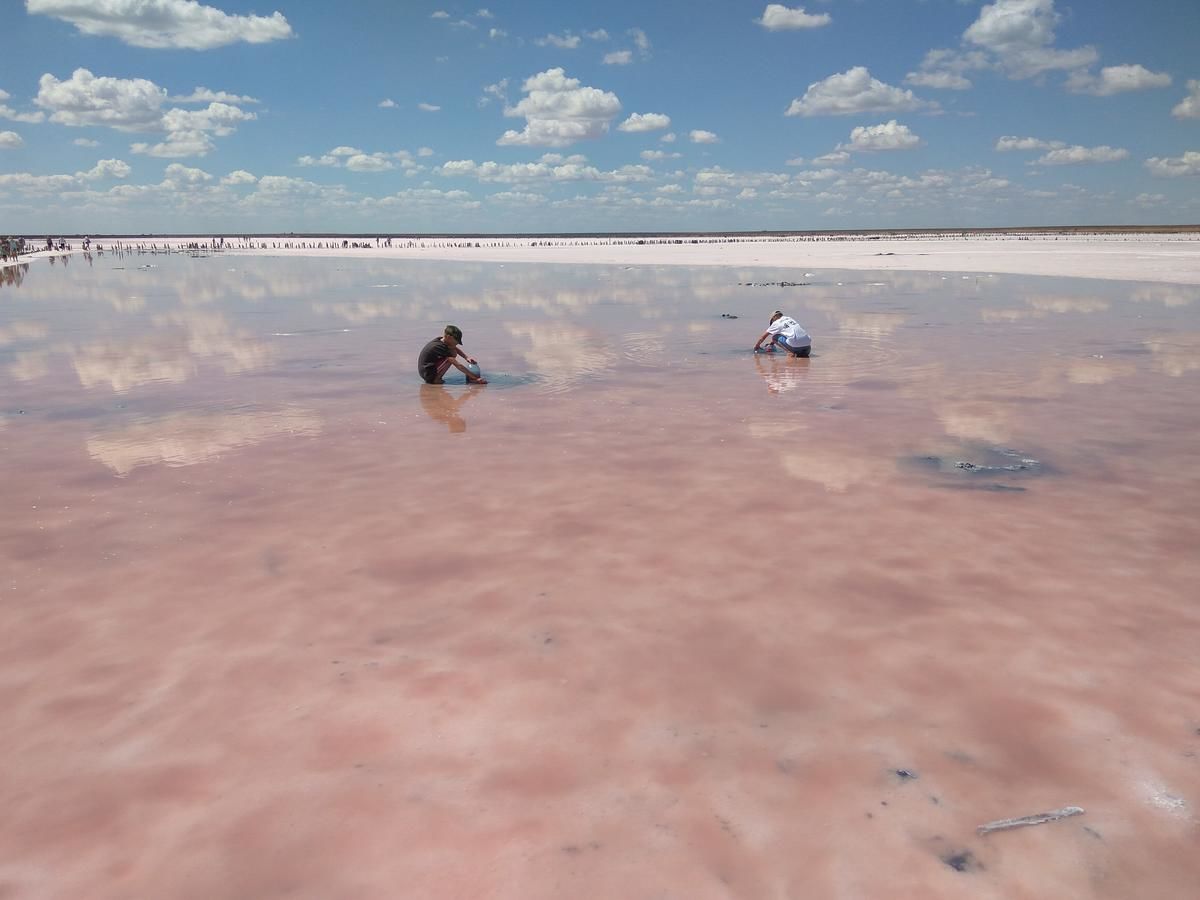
646	617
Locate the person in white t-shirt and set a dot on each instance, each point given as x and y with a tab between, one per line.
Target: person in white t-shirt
786	333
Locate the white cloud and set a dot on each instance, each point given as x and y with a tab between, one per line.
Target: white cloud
558	112
943	81
369	162
1189	106
598	35
424	151
1116	80
836	158
497	91
618	58
551	169
484	14
497	34
639	122
182	178
158	24
1020	35
852	92
777	17
135	104
7	112
107	168
1068	156
85	142
649	155
888	136
640	41
10	140
565	41
238	177
668	138
1009	143
387	103
439	14
428	107
1175	166
126	104
700	136
204	95
1150	199
946	69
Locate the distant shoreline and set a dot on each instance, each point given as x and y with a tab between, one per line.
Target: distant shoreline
1146	255
897	233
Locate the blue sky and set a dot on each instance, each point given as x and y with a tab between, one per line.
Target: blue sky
175	115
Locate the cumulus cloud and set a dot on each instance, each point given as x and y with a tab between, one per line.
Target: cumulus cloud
1175	166
238	177
204	95
564	41
1068	156
618	58
160	24
135	104
107	168
946	70
497	34
1116	80
559	112
777	17
1189	106
10	140
439	14
852	92
552	168
888	136
356	160
428	107
7	112
1020	36
639	122
85	142
650	155
387	103
1009	143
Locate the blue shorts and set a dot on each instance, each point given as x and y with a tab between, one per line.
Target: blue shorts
796	351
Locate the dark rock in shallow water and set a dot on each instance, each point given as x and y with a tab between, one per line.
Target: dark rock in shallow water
728	316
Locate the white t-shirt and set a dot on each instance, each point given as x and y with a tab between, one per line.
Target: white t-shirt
791	332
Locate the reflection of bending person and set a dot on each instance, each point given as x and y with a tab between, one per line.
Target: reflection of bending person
782	375
786	334
439	355
442	406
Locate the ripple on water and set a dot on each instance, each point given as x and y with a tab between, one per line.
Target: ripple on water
843	358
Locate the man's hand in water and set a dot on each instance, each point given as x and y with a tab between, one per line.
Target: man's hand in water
475	380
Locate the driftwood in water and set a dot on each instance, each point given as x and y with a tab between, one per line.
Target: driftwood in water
1036	819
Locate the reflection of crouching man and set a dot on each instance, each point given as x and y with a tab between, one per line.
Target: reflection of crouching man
786	334
439	355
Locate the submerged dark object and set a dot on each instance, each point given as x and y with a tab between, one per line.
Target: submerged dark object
980	467
963	861
728	316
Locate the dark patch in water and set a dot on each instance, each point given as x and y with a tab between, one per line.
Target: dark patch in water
962	861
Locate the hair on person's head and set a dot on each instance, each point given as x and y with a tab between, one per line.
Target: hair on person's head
453	331
776	315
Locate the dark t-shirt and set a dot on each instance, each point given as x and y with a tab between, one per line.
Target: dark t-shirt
431	357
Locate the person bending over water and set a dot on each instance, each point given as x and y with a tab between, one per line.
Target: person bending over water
786	333
439	355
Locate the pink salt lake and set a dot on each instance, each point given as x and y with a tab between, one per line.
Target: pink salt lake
647	617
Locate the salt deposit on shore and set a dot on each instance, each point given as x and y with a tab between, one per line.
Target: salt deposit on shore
1125	257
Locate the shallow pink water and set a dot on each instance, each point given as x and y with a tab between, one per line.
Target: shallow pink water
647	617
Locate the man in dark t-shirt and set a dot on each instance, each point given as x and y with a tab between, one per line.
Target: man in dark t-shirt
439	355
